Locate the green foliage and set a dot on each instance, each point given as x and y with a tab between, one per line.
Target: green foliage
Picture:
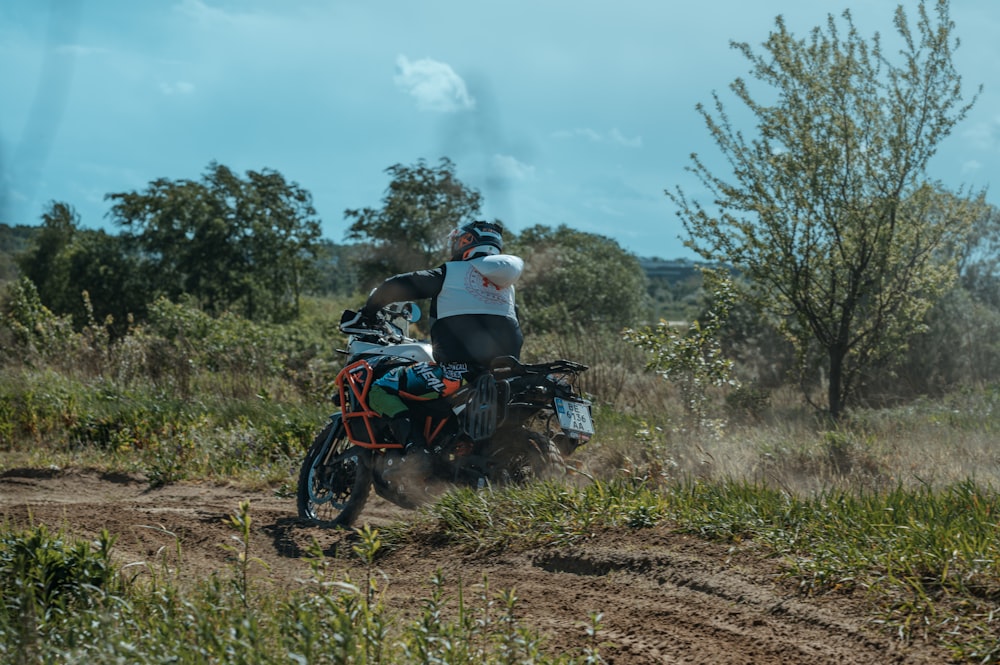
693	359
44	579
334	273
960	346
185	396
45	264
83	273
540	514
230	243
827	216
35	332
13	241
979	258
241	521
71	615
422	204
576	281
920	553
227	343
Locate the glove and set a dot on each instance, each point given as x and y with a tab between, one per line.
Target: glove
351	321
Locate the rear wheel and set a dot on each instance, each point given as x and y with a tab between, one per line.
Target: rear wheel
335	478
523	456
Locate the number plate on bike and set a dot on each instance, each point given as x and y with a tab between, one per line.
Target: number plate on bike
574	416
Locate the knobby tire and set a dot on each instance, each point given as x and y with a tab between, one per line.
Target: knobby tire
335	478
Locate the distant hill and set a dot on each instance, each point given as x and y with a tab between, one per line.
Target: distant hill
677	270
671	270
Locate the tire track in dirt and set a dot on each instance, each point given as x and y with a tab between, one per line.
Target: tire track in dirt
665	597
682	601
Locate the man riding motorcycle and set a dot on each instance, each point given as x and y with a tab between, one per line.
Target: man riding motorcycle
475	321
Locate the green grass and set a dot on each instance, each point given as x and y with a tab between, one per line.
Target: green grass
65	602
896	504
51	419
927	559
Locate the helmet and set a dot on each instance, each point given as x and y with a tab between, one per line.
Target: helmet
476	239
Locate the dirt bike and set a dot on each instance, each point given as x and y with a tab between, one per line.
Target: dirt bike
506	425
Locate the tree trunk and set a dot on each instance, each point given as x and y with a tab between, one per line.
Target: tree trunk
834	397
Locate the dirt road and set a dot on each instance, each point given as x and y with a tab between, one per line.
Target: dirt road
665	597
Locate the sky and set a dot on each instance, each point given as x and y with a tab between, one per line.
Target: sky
575	112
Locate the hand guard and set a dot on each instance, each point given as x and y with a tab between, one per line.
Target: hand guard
354	322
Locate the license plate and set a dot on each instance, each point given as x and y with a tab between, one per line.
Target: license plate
574	416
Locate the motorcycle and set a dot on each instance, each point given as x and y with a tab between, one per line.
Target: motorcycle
509	424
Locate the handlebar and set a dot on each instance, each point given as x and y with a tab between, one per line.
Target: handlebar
381	328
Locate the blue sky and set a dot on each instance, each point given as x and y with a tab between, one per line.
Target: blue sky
560	112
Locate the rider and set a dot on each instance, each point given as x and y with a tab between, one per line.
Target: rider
475	321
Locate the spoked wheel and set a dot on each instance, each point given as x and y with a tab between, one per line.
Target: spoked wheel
335	478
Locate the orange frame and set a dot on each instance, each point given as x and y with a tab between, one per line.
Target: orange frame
355	382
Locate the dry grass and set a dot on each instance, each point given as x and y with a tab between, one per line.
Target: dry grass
776	438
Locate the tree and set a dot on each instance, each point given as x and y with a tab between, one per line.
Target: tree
828	215
44	263
575	279
422	204
107	268
64	261
979	258
232	243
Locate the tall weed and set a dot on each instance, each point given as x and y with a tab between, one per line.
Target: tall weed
326	620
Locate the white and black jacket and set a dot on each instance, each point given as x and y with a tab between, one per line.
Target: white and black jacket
472	304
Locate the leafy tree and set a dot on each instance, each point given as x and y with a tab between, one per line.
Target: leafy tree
979	258
576	279
422	204
107	268
45	262
232	243
64	261
827	215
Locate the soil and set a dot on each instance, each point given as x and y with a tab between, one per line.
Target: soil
666	597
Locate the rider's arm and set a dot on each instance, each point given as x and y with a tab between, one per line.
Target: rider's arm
415	285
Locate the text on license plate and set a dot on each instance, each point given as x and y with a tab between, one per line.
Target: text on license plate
574	416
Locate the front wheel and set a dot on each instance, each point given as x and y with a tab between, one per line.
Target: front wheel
335	478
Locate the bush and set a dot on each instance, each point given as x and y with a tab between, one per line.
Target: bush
41	571
35	333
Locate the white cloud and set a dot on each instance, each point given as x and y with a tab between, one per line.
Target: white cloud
588	134
614	136
622	140
434	85
178	88
510	168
